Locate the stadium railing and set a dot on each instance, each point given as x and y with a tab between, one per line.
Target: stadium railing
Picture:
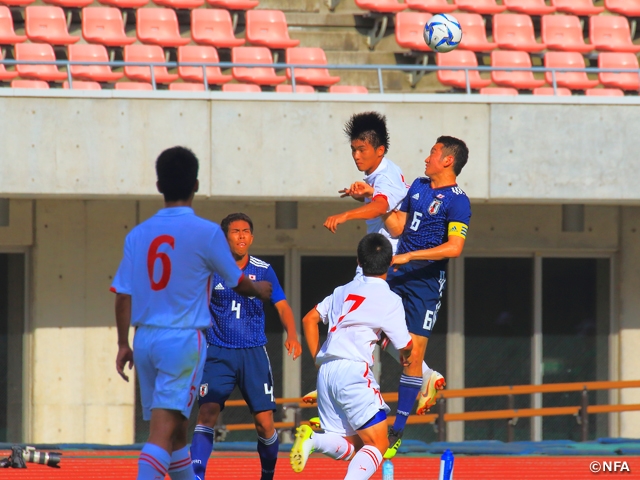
581	412
413	69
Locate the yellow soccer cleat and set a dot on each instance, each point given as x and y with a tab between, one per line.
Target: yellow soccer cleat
428	392
395	440
311	397
302	448
314	422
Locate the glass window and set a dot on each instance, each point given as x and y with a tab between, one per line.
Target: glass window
575	329
498	322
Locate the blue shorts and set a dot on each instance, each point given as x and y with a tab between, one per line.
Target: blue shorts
169	364
420	287
249	368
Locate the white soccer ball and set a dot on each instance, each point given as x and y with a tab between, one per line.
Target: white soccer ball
442	33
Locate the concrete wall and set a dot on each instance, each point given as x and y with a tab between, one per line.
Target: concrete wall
261	149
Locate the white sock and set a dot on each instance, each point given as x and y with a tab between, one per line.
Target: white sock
364	464
426	371
333	445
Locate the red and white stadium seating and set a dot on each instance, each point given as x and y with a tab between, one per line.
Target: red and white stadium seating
257	75
409	30
475	36
92	53
38	52
318	77
214	27
529	7
48	25
268	28
457	78
515	32
515	79
7	33
159	26
200	54
571	80
622	61
104	25
564	33
146	53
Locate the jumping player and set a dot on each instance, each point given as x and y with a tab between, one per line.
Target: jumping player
162	288
352	411
433	220
236	353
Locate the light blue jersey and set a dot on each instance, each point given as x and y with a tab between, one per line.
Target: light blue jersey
167	267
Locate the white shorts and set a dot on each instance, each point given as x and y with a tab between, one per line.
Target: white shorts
169	364
348	396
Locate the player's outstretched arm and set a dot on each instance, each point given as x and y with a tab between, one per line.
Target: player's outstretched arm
394	222
312	332
378	206
123	321
452	248
288	322
248	288
358	191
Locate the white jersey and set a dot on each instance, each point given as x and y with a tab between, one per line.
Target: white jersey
357	313
167	266
387	181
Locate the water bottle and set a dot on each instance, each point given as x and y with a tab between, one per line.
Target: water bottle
446	465
387	470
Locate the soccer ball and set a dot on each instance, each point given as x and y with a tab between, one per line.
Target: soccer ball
442	33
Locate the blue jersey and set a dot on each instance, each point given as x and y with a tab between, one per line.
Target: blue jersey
433	214
238	321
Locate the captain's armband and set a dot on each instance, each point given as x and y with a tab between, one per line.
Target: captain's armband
458	229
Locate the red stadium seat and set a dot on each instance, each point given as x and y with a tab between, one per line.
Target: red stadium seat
213	26
38	52
628	8
621	61
82	86
564	33
186	4
187	87
268	28
381	6
92	53
241	87
483	7
258	75
410	30
498	91
515	79
515	32
604	92
16	3
69	3
318	77
48	25
7	33
4	74
159	26
577	7
529	7
474	36
359	89
234	4
146	53
125	3
457	78
200	54
431	6
299	89
560	92
571	80
29	84
104	25
133	86
611	34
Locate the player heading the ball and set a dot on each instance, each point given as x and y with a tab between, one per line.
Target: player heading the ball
162	288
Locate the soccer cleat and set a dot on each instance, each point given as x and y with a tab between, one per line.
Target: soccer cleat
395	440
302	448
428	392
311	397
314	422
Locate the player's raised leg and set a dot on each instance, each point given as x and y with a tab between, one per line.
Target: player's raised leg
368	459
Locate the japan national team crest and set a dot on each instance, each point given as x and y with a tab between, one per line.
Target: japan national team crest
434	207
252	277
204	389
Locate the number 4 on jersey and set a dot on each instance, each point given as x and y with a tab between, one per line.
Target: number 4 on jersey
235	307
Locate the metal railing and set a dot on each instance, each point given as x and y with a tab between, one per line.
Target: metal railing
292	67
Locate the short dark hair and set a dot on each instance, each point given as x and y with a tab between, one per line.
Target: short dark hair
369	126
234	217
177	172
456	147
374	254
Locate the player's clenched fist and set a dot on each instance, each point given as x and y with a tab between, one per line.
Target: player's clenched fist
264	290
333	221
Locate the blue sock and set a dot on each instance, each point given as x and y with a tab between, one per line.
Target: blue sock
201	448
180	467
268	451
153	462
407	393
